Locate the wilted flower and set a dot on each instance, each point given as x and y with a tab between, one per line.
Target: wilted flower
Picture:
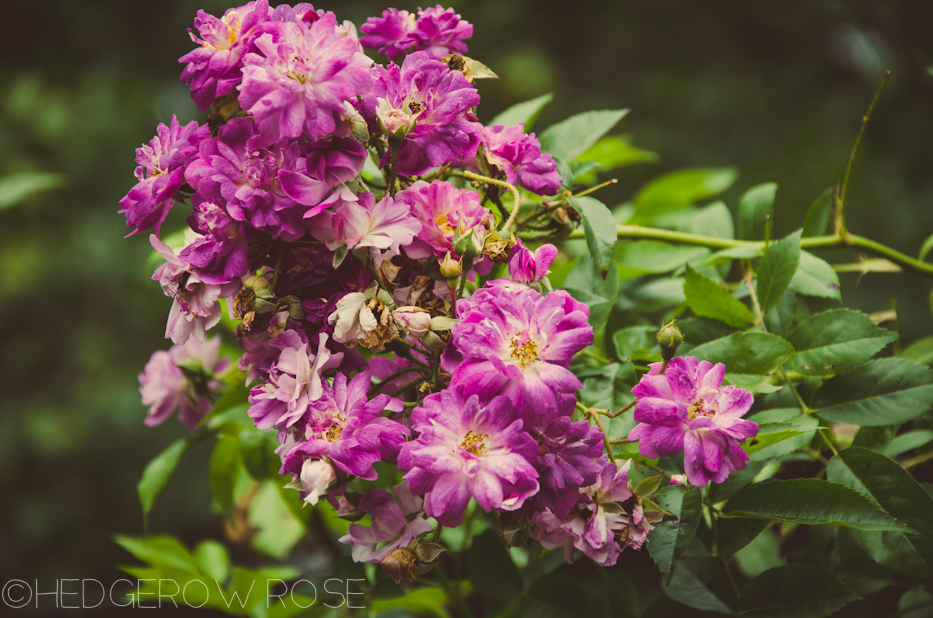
414	320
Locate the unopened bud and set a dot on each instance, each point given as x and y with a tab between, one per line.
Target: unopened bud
433	342
295	310
669	338
358	127
428	553
450	268
470	244
400	564
415	320
395	123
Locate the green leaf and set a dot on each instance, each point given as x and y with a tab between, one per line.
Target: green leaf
526	113
224	464
708	299
258	450
814	277
600	229
761	554
734	534
157	473
779	439
670	539
755	207
920	352
907	442
746	355
642	257
887	484
159	551
213	560
616	151
836	340
682	188
277	528
888	391
15	188
689	585
655	295
926	248
811	502
795	591
819	214
556	595
491	570
572	137
776	269
420	601
634	340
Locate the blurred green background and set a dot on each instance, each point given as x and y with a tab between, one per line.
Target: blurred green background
775	89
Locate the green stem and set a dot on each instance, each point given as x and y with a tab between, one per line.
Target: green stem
393	166
811	242
589	412
624	408
516	194
844	188
392	376
596	188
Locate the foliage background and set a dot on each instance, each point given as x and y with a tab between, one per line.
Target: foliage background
775	89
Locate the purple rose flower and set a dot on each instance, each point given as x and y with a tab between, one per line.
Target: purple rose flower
161	173
467	449
165	387
213	69
294	380
688	409
519	157
220	254
393	524
196	308
441	32
436	31
432	100
527	267
392	34
266	187
347	428
518	343
567	462
296	85
385	226
442	208
595	528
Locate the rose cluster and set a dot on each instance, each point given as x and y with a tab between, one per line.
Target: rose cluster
347	287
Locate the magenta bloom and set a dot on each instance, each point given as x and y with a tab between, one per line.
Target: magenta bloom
196	308
165	387
436	31
688	409
467	449
519	156
385	225
345	427
596	526
296	85
441	32
161	173
393	34
335	161
219	255
213	69
527	267
442	208
395	523
567	462
294	380
434	101
267	187
518	343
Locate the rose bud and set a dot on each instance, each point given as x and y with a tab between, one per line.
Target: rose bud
415	320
